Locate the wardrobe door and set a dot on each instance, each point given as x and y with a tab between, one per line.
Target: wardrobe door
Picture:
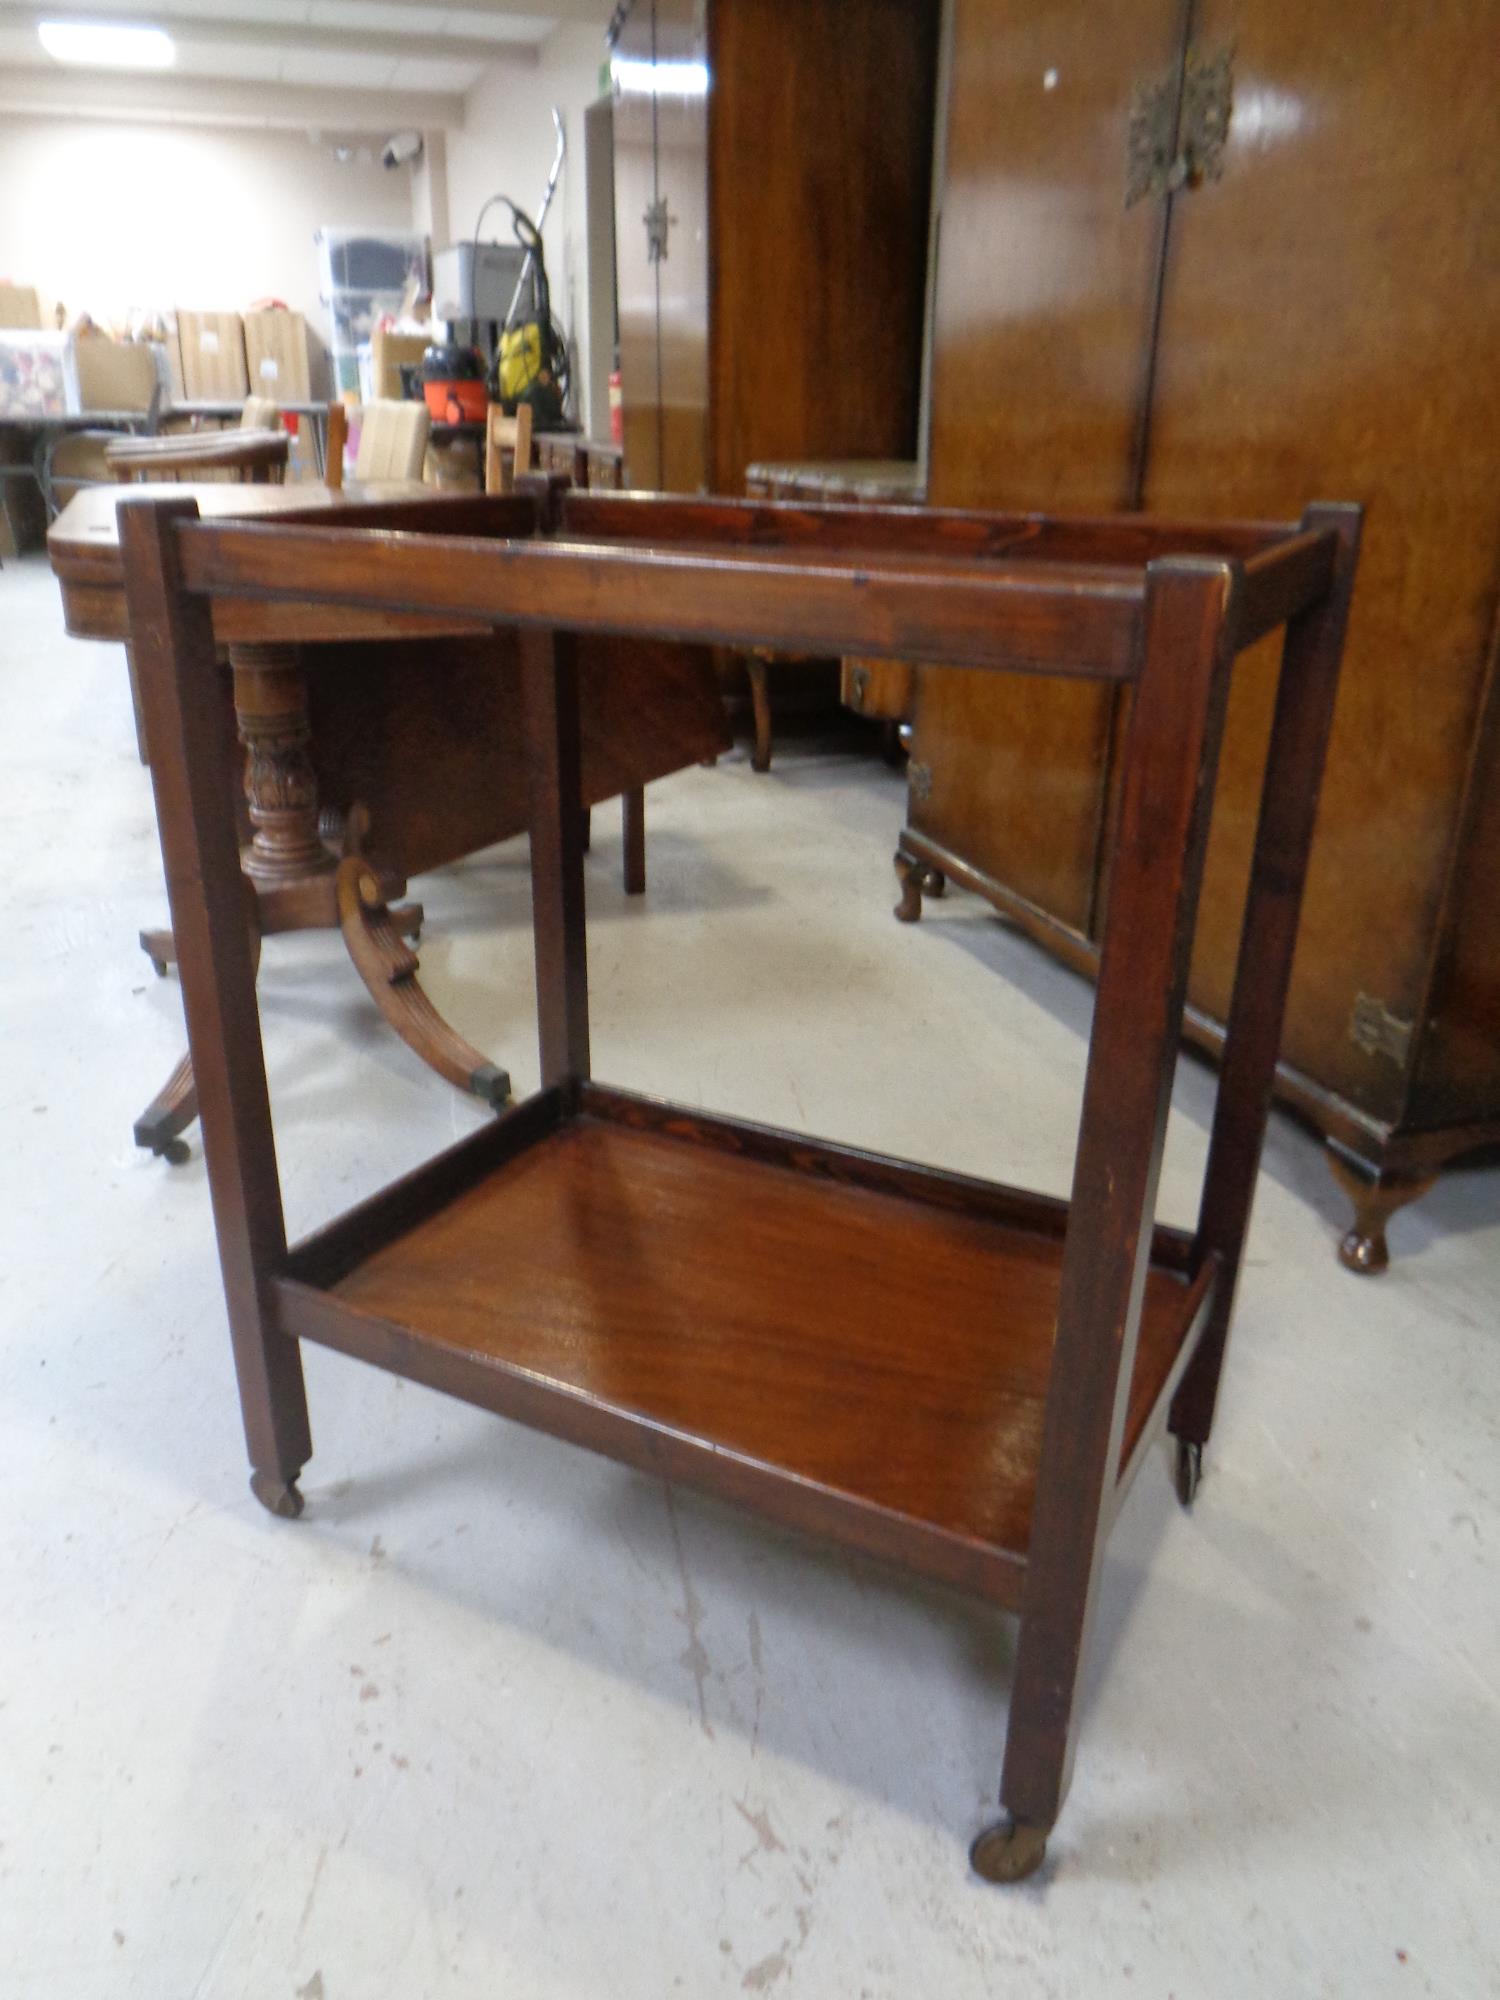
820	191
1330	326
661	244
1046	291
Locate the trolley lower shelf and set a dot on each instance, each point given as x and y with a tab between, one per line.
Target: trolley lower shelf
852	1345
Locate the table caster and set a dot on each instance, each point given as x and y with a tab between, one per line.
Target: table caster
1008	1852
176	1152
279	1496
1187	1469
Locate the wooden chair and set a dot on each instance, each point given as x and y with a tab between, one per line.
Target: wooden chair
507	448
254	455
392	442
116	379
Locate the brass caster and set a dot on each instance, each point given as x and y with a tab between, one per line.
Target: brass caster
1008	1852
1187	1469
1365	1253
935	883
278	1496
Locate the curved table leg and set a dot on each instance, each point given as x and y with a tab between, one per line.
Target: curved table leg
389	969
160	1126
169	1114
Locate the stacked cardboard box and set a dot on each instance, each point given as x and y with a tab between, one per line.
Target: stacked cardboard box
278	356
209	364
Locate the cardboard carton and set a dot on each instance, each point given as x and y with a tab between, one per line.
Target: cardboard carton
19	306
278	357
211	352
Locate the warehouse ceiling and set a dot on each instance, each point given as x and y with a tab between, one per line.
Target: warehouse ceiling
341	64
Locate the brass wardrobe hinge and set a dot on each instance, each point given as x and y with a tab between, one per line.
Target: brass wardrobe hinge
1379	1032
1160	160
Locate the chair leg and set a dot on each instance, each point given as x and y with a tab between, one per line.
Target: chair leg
633	816
760	697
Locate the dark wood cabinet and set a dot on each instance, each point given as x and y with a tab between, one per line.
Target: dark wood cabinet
773	170
1306	301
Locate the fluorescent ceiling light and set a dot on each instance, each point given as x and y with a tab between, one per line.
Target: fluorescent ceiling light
107	44
660	79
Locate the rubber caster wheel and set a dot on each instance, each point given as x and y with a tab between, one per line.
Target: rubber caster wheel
1187	1469
1008	1852
278	1496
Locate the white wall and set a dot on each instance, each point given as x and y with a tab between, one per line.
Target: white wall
506	147
109	217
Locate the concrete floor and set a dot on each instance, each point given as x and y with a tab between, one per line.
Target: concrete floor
500	1718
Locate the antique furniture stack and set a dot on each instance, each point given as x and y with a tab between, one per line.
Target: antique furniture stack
957	1375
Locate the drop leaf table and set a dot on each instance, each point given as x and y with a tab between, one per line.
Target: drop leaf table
955	1375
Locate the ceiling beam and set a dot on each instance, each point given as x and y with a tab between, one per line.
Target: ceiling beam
161	98
196	34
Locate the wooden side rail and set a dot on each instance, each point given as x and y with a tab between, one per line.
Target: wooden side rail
1034	617
1133	540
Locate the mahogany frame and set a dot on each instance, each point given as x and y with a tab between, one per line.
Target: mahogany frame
1164	607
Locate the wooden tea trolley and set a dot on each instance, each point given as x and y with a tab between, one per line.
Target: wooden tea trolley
959	1376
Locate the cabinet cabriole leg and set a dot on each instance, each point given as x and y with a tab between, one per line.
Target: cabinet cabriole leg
1375	1197
911	875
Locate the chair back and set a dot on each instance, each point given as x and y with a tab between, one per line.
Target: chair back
507	447
392	441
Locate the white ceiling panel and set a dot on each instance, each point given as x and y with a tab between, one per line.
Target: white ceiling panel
360	46
432	73
486	26
376	14
349	68
246	62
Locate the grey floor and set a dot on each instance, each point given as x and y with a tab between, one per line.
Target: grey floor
500	1718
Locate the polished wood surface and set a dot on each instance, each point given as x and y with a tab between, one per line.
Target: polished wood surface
901	1354
1318	315
441	754
825	111
1046	291
1357	351
784	314
768	1316
83	543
